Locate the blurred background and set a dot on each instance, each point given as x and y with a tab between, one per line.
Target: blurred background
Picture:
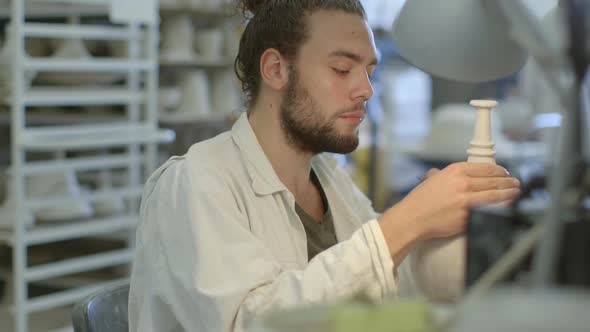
95	94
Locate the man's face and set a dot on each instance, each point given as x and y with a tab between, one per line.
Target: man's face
324	101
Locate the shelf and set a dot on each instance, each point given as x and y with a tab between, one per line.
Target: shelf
80	164
87	96
92	136
67	328
102	195
78	103
85	65
70	296
223	11
193	118
81	3
71	230
60	117
79	264
197	63
51	8
54	30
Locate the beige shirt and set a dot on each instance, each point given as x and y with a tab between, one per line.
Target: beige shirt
220	242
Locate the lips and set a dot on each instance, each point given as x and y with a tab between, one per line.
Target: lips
353	115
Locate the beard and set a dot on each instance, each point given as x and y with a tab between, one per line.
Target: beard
305	125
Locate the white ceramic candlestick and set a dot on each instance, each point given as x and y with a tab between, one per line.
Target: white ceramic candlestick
439	264
481	146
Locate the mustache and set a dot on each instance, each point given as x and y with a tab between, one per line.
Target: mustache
360	107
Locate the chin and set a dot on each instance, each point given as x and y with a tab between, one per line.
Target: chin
345	148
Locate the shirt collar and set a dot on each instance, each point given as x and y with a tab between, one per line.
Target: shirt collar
265	180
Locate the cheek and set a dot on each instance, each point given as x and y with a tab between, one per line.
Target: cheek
333	83
329	89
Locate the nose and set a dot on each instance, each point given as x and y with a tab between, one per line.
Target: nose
363	88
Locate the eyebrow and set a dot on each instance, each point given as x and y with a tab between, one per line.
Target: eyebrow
353	56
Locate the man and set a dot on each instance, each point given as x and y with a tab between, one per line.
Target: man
257	218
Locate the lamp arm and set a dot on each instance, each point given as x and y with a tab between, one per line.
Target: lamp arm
557	68
547	49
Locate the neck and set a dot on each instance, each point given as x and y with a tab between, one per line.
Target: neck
291	165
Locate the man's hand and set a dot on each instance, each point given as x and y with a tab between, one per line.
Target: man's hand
440	205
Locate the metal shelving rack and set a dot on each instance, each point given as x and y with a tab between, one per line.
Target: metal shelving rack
216	15
134	139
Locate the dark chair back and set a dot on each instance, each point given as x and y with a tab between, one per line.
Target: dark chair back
103	311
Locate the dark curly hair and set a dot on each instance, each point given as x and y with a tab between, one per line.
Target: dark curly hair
278	24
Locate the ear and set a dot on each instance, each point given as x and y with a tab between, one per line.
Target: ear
273	69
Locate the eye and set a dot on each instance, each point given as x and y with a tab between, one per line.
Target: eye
340	71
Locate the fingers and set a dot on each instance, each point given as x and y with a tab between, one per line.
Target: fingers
482	184
493	196
480	169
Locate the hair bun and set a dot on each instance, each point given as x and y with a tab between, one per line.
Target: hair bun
252	5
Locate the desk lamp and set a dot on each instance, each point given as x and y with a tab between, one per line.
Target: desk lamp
483	40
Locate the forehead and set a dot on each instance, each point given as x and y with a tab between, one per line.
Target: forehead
331	31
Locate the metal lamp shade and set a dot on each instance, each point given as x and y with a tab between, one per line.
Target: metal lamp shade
461	40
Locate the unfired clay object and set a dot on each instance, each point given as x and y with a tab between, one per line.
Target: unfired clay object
439	264
177	39
195	102
481	148
75	49
39	186
224	91
452	130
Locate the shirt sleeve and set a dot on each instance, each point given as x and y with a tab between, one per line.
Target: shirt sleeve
200	268
404	281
